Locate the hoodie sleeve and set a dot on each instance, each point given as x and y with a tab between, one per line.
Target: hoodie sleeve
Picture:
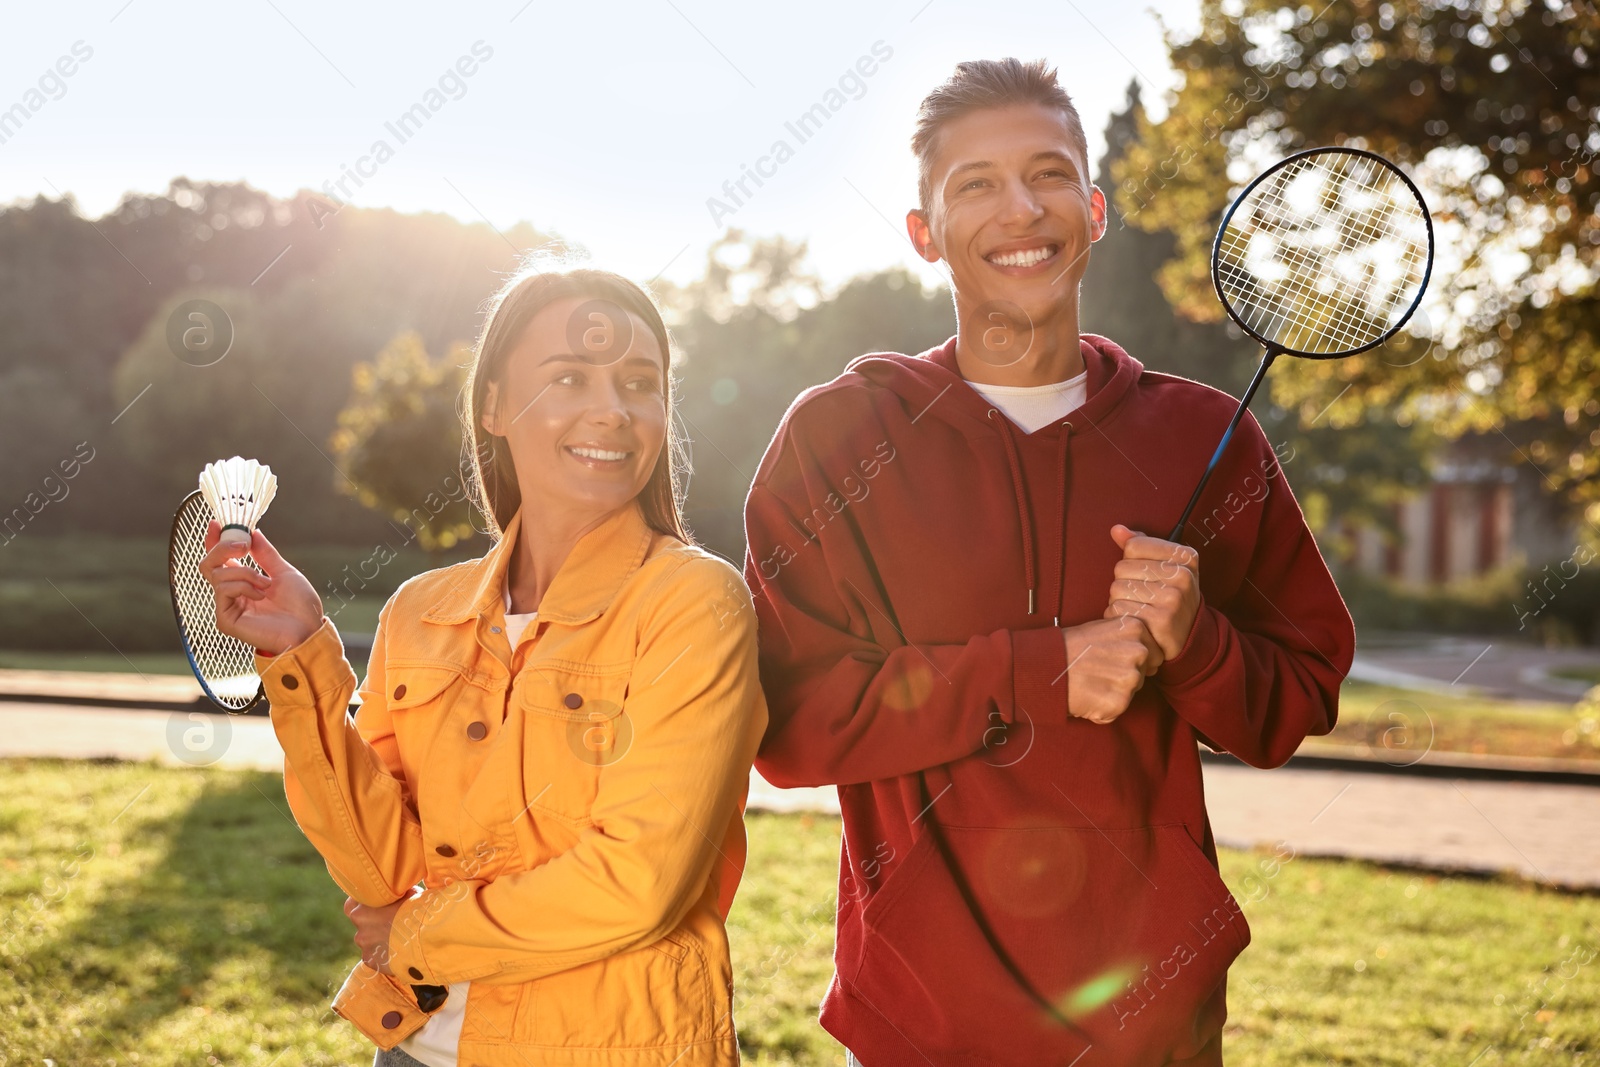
1262	667
849	699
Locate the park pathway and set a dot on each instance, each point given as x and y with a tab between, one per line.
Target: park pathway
1548	832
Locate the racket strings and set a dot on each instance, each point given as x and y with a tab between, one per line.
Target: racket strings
1299	303
225	664
1326	255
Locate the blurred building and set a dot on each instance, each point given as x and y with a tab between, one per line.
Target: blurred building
1476	514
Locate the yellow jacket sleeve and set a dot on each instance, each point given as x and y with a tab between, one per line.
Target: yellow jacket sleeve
343	779
698	715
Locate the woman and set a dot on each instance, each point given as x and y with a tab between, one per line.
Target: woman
554	739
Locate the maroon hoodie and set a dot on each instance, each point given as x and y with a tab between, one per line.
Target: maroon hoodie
1018	886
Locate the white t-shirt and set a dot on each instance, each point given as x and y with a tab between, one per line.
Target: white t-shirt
1033	406
437	1042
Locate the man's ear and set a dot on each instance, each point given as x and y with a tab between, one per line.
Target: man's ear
921	235
1097	210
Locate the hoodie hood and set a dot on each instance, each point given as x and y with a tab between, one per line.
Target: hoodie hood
931	384
931	375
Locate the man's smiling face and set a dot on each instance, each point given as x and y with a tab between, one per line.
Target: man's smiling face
1010	209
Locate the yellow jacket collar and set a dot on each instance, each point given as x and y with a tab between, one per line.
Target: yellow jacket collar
584	586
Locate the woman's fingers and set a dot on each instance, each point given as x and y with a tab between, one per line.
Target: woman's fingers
235	580
241	574
219	553
265	553
236	590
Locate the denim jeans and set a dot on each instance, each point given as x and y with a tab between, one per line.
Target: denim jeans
396	1057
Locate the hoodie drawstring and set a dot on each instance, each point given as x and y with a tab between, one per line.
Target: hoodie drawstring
1021	496
1063	478
1024	513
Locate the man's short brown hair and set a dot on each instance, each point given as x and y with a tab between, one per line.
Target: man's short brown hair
979	84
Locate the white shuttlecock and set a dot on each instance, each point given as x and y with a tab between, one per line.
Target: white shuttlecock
238	492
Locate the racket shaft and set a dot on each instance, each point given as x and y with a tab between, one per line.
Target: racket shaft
1222	446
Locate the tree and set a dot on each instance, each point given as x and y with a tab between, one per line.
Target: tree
308	296
1121	299
1492	106
755	331
399	441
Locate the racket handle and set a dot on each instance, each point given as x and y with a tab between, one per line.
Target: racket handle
1267	356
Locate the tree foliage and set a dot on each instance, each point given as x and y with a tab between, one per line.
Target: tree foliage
1494	107
398	442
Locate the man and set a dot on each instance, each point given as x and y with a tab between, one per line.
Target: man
971	625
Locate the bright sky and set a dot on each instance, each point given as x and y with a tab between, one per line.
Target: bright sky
610	123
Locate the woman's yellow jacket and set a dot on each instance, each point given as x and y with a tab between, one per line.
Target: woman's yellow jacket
575	810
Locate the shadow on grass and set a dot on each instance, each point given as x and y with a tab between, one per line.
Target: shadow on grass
238	916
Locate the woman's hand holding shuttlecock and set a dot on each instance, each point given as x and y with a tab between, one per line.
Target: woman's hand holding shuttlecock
272	611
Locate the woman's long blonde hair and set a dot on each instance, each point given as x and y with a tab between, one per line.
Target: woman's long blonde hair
527	292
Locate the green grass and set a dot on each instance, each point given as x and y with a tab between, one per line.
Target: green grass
1400	724
1579	674
160	916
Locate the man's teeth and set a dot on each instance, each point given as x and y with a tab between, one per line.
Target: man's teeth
598	453
1026	258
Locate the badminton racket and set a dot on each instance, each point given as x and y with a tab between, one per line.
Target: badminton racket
1324	255
224	666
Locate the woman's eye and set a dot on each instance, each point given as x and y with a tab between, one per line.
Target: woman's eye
644	385
573	378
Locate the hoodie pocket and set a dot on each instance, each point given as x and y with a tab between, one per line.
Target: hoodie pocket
1118	944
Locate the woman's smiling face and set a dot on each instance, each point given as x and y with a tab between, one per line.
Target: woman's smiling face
581	402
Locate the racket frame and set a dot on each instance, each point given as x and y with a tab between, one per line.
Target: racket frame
260	698
1238	201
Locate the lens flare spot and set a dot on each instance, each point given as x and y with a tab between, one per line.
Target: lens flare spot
909	689
1034	874
1097	991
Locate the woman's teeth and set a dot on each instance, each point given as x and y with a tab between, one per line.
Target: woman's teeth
598	453
1025	258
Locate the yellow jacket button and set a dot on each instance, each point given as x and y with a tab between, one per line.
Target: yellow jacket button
291	682
445	850
477	731
391	1019
574	701
414	973
399	691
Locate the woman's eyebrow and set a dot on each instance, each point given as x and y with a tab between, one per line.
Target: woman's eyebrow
591	361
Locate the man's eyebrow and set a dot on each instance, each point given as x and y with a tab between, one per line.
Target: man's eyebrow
979	164
1047	154
1053	154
